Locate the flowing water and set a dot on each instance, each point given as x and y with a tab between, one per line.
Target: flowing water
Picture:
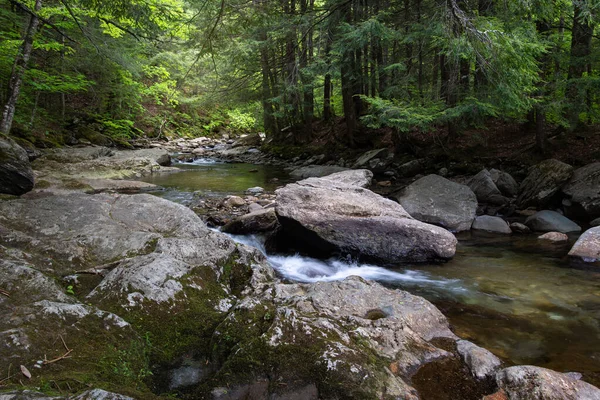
514	295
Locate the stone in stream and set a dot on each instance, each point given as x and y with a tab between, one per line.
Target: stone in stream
595	222
587	247
16	175
583	192
491	224
439	201
549	221
554	237
334	215
482	363
543	182
526	382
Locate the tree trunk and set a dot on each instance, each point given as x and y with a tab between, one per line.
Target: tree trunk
19	67
581	49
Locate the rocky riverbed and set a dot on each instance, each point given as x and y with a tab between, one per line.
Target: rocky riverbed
135	295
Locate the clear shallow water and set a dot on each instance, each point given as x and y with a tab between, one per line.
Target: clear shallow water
515	296
215	178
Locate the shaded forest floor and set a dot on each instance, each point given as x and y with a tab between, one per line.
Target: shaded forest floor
503	145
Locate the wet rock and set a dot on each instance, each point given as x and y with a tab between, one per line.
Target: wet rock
519	227
587	247
543	183
263	220
491	224
482	363
16	175
528	382
550	221
595	222
554	237
326	215
436	200
315	171
485	189
505	183
583	191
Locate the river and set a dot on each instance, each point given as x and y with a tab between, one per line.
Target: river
514	295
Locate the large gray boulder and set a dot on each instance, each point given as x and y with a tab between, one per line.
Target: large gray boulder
587	247
526	382
583	192
16	175
315	171
485	189
439	201
543	182
551	221
327	215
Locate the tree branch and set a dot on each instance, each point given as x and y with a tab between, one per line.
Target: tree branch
26	9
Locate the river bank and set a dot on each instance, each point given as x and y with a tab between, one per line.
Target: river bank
240	290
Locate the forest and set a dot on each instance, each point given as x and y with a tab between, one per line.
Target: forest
294	68
299	199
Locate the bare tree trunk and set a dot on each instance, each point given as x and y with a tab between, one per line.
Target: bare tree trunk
19	67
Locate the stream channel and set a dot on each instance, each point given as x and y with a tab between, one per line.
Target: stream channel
514	295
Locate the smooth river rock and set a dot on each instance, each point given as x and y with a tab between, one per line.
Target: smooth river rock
439	201
326	215
16	175
549	221
491	224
